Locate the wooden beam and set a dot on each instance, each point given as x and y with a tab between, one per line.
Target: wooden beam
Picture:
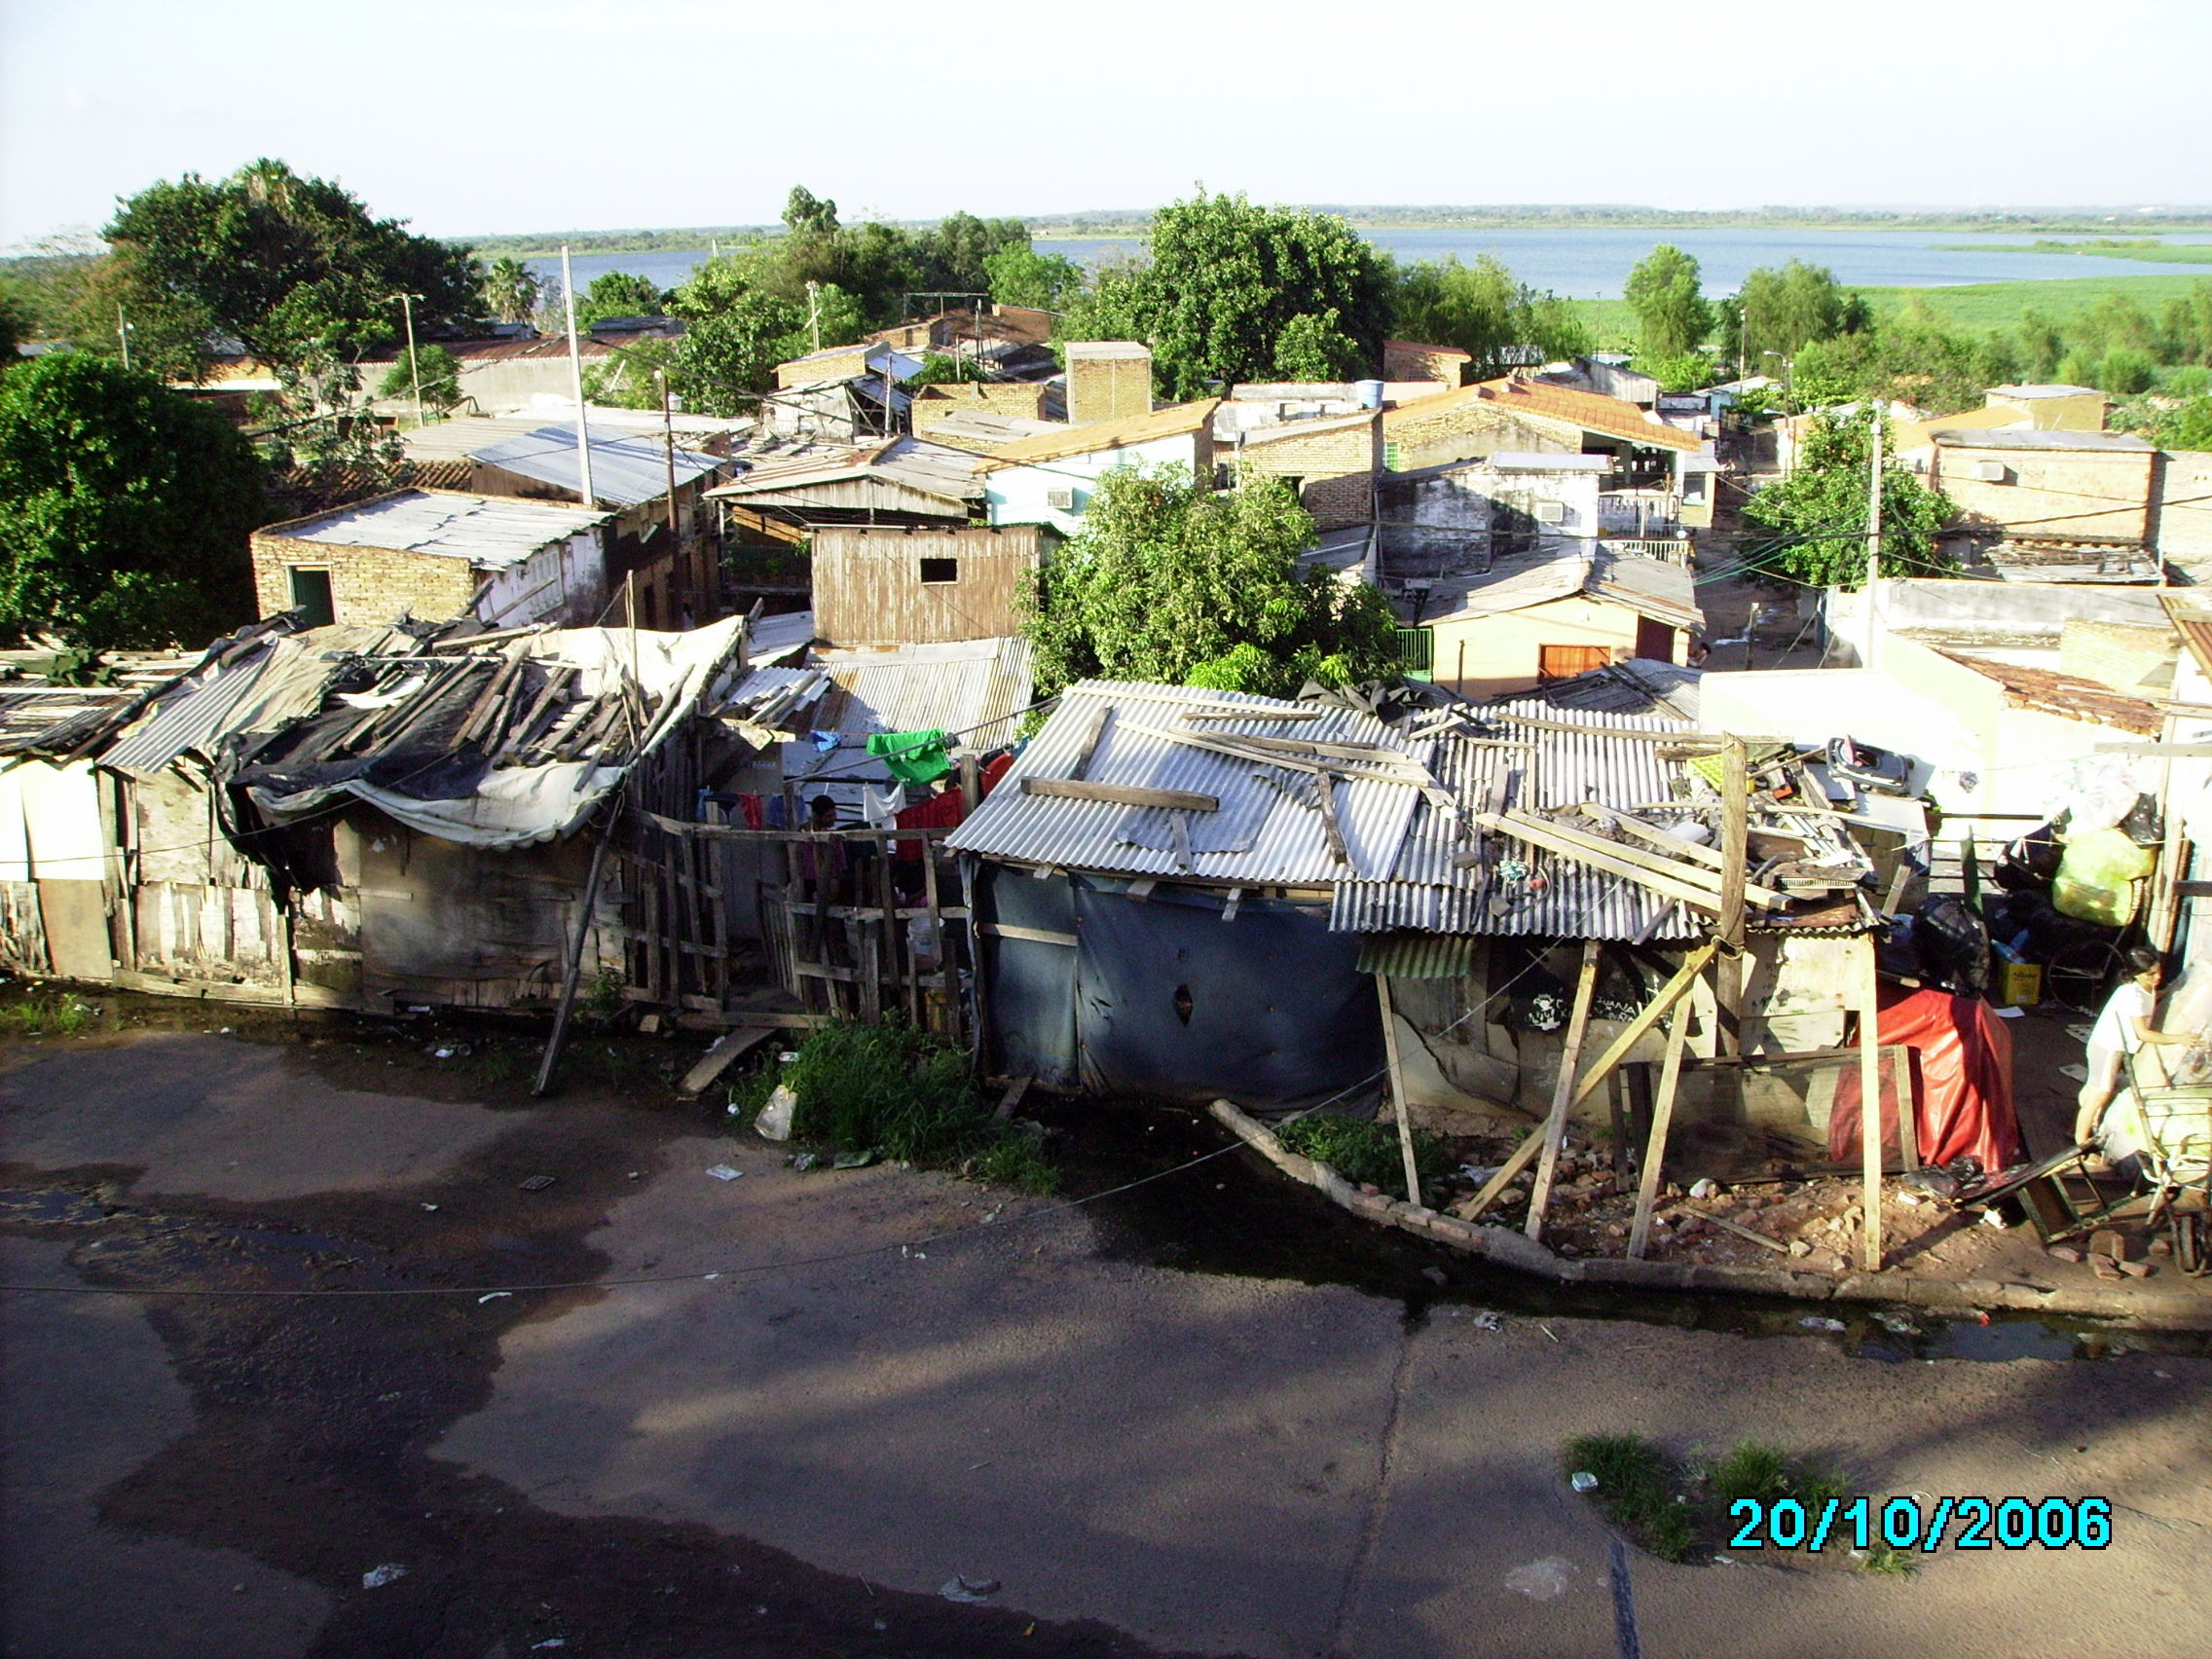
1870	1106
1398	1089
1646	1017
1631	734
1696	897
1563	1092
725	1051
1652	833
1766	898
1120	794
1735	827
1221	714
1035	936
1325	795
1655	1147
1090	744
1012	1098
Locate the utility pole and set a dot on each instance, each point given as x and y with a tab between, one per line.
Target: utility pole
584	491
123	334
814	314
414	361
1873	537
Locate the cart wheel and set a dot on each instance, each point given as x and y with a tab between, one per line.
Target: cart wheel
2078	974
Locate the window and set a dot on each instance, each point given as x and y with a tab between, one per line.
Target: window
1565	662
941	571
1416	652
311	596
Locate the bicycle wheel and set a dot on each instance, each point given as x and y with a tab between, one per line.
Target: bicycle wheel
2080	973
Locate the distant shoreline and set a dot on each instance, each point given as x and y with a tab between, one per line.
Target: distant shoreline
1083	227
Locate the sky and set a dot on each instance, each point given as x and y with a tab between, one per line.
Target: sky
490	116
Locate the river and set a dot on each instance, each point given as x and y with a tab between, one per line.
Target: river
1594	263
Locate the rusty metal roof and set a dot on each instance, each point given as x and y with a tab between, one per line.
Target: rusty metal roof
2068	696
1592	411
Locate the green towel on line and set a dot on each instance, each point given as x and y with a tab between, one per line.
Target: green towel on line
912	757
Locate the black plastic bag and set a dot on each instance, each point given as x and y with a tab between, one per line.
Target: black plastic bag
1954	946
2029	863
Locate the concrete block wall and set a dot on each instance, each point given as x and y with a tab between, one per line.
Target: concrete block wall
368	585
1417	437
1023	399
1405	360
2050	493
2130	659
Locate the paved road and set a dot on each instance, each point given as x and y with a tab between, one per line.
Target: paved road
1143	1456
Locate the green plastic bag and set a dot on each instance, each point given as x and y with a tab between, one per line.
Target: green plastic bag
911	756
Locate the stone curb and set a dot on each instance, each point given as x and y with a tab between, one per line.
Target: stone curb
2156	1309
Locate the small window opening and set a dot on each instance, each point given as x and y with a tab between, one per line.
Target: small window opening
940	570
1183	1004
311	596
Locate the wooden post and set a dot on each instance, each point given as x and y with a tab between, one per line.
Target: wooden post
1398	1089
1870	1106
1562	1091
1662	1118
1728	978
575	970
971	784
1909	1118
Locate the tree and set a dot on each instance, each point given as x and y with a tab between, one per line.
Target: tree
1226	284
510	289
441	377
1909	357
2126	371
1170	582
1483	311
954	255
734	336
124	508
806	213
1022	276
1692	371
617	293
1664	292
2189	427
15	320
1819	513
287	266
1783	311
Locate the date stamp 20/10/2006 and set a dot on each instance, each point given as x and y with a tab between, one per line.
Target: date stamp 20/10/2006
1908	1524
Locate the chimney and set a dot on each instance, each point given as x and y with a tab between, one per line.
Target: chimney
1108	380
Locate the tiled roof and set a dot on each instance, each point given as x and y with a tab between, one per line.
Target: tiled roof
2067	696
1592	411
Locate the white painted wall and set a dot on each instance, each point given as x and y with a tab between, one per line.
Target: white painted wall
1019	495
565	582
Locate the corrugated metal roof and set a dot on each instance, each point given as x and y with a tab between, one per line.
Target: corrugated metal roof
1266	833
1416	955
1591	411
1638	686
1426	893
775	637
488	531
1649	587
626	469
189	719
974	690
55	720
1094	436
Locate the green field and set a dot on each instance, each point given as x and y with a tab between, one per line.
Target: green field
2104	247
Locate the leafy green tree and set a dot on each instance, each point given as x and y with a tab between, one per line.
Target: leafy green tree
808	215
509	289
2126	371
1485	312
124	508
1225	283
941	368
1782	311
836	319
954	255
734	337
1818	514
2189	427
15	320
1313	348
441	377
1664	294
618	293
2039	345
1022	276
1692	371
287	264
1172	582
1916	361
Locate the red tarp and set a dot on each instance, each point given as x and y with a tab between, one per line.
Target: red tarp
1962	1083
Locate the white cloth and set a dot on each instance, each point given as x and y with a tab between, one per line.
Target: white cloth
2116	1026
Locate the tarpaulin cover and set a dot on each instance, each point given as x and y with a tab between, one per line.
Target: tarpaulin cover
1268	1009
911	756
1962	1067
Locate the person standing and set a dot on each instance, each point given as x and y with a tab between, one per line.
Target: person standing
2121	1029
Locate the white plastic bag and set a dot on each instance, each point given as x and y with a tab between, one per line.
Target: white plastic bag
775	1119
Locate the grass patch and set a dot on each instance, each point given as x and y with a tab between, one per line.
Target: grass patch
901	1095
1641	1490
1679	1509
1363	1151
61	1016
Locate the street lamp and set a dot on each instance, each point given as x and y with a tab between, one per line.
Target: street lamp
414	362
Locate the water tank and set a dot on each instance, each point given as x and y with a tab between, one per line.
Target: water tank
1368	394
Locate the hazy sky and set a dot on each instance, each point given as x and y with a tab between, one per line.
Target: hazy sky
490	116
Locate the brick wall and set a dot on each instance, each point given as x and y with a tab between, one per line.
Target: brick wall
2050	495
1417	440
1335	467
368	585
1108	380
1023	399
1403	360
2185	511
2120	655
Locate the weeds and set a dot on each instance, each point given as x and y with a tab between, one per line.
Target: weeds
902	1094
43	1016
1679	1509
1363	1151
1641	1490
